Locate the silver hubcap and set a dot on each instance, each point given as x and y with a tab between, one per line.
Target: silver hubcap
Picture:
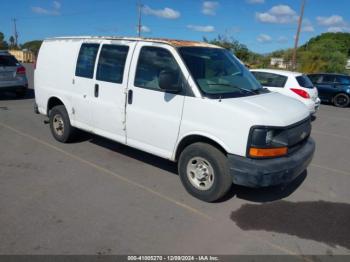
58	125
200	173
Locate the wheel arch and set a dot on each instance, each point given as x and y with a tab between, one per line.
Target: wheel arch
52	102
195	138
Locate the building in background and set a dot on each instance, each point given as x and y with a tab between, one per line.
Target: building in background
278	62
24	56
348	65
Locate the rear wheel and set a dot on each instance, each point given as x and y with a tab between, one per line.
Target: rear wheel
60	126
341	100
204	172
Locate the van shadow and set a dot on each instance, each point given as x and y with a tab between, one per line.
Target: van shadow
321	221
259	195
12	96
139	155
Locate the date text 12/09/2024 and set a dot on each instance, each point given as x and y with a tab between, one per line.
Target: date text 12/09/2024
173	258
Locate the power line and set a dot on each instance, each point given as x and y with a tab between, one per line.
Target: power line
294	59
139	24
15	30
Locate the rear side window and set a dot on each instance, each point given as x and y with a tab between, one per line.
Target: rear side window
304	81
270	80
343	80
111	63
314	78
8	60
86	60
328	79
152	61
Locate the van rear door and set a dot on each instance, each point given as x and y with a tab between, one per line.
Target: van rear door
110	83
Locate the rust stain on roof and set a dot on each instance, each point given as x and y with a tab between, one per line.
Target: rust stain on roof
172	42
179	43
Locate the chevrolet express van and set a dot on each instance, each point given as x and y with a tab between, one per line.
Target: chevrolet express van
189	102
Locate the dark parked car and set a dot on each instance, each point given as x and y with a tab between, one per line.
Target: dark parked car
333	88
12	75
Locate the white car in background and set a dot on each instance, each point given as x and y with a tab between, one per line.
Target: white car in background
292	84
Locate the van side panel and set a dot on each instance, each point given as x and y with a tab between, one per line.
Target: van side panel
54	73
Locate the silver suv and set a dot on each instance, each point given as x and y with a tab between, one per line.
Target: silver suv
12	75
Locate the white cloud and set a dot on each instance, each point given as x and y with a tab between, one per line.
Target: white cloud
335	23
166	13
282	40
279	14
308	29
56	10
255	1
338	29
145	29
232	30
56	5
264	38
200	28
282	10
307	26
335	29
333	20
209	7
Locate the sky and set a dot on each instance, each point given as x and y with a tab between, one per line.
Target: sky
263	25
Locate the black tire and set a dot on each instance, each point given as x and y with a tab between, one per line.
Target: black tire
60	126
341	100
222	181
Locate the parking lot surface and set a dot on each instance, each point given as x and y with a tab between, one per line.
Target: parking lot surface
95	196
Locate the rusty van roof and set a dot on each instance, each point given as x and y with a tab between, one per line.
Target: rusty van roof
172	42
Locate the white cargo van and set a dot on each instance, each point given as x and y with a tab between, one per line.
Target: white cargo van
189	102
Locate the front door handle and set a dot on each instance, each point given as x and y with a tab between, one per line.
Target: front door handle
130	94
96	90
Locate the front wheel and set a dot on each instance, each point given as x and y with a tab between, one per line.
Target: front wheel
204	172
341	100
60	126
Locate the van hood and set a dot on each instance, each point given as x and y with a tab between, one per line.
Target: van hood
269	109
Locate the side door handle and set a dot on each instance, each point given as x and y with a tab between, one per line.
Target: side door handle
130	94
96	90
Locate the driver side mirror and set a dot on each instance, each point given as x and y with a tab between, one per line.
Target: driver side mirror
168	81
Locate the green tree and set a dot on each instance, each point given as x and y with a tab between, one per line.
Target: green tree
324	56
12	41
3	43
229	43
240	50
33	46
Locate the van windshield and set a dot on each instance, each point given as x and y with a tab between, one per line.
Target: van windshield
218	73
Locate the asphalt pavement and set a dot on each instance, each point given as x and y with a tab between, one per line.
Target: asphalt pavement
95	196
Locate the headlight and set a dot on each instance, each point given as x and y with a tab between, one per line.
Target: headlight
267	142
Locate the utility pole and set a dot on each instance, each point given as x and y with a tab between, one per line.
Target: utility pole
15	30
139	25
300	22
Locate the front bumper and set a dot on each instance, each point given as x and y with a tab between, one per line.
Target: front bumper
269	172
317	105
312	105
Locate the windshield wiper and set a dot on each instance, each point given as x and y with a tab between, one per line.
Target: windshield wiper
237	87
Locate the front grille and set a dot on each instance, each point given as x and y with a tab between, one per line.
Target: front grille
298	135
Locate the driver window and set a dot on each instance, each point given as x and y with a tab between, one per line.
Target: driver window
152	61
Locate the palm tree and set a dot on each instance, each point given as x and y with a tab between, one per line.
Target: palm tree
12	41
